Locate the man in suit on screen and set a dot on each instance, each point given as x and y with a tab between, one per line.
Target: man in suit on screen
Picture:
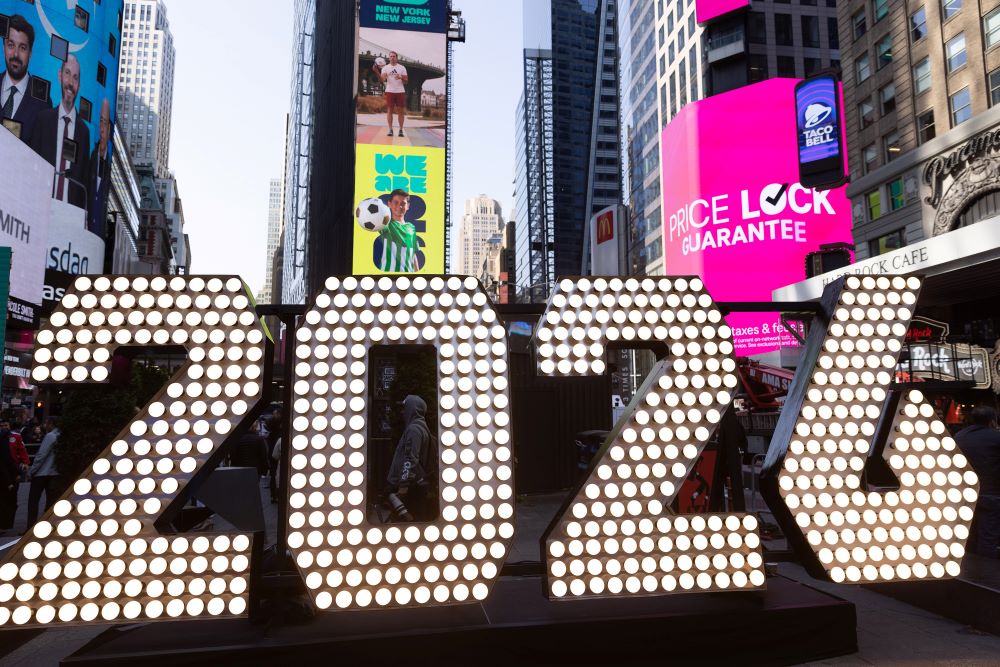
18	107
100	172
62	137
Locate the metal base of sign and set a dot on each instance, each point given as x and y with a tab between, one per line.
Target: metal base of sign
788	623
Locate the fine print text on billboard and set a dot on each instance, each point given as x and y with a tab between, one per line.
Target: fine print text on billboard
734	210
401	128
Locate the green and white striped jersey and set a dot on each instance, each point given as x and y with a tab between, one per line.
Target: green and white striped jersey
399	248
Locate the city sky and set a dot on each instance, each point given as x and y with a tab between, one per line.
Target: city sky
231	94
231	89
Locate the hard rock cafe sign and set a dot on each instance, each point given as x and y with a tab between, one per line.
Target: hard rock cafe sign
101	554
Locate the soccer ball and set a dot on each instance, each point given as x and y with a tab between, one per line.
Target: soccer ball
372	214
380	62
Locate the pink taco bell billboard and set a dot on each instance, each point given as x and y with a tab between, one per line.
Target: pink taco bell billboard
734	212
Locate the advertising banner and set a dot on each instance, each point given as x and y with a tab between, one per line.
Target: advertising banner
410	183
59	84
402	107
416	15
25	185
820	132
734	211
706	10
71	251
605	242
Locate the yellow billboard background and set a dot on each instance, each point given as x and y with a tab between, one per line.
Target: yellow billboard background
420	171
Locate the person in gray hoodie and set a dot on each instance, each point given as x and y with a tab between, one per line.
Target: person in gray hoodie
414	463
43	472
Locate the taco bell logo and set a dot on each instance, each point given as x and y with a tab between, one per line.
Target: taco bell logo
816	114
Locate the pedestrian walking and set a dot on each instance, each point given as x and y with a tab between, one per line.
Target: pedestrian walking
43	473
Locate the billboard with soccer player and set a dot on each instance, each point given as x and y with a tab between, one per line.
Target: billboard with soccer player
401	127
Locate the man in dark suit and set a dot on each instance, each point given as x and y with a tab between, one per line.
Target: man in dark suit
17	104
100	172
61	137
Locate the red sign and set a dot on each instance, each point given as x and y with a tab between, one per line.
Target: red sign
606	227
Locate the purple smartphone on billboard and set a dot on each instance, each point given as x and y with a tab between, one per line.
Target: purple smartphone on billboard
819	129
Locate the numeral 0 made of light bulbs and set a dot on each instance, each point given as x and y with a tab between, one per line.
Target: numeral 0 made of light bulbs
98	555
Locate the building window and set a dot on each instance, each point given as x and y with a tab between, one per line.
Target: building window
888	243
783	29
693	73
757	28
810	31
925	126
922	76
883	50
955	51
961	107
863	67
859	23
881	9
918	25
758	67
896	197
994	87
890	144
786	67
991	26
888	98
866	113
874	205
812	65
869	157
949	8
832	35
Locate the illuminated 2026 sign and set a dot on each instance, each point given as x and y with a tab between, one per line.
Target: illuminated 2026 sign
100	556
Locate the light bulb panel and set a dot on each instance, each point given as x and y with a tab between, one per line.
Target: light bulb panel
96	555
347	561
841	409
616	535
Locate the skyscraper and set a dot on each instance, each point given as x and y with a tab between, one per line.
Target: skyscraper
641	125
274	190
146	84
567	147
482	220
